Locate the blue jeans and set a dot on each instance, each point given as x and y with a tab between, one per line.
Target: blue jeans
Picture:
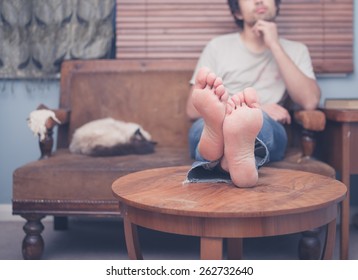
270	145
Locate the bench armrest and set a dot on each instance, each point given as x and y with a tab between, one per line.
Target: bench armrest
311	121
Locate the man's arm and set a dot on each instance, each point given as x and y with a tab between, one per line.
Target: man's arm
303	90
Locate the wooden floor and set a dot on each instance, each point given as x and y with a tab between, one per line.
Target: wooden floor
90	238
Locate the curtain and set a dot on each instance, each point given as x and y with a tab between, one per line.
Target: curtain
37	35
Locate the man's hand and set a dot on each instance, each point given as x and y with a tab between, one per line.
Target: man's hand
277	112
268	30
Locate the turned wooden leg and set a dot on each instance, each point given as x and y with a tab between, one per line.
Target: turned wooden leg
33	243
308	143
309	247
234	248
46	144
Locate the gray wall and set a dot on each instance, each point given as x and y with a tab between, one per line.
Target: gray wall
19	97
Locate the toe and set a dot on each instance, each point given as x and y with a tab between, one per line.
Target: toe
237	99
218	82
201	78
250	97
230	106
210	79
220	92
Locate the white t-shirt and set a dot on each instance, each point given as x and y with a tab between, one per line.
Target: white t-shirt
228	58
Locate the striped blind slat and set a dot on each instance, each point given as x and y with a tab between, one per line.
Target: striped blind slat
178	30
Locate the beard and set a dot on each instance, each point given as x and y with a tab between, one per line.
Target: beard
266	17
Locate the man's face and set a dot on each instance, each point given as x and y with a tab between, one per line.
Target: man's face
253	10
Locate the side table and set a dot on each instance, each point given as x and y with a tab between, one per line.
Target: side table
340	150
283	202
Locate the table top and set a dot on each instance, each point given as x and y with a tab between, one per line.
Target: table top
341	115
278	192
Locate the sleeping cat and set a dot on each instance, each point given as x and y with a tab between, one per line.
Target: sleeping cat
110	137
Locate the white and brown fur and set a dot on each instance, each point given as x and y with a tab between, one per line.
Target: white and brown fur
110	137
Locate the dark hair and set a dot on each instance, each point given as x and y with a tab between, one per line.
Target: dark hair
235	8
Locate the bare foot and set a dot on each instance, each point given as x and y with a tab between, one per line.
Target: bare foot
242	123
209	99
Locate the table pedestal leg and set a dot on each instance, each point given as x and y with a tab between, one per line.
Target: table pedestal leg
132	241
330	241
234	248
211	248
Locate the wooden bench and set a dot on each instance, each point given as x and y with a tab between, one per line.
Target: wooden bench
65	184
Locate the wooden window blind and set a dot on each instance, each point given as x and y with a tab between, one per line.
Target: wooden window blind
166	29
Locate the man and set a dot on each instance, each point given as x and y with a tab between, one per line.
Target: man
238	84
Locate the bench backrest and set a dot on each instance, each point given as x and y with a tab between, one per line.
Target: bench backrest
150	96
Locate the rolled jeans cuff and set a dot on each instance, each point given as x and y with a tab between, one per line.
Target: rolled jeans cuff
210	171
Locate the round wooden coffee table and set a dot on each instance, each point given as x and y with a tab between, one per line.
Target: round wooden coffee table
283	202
